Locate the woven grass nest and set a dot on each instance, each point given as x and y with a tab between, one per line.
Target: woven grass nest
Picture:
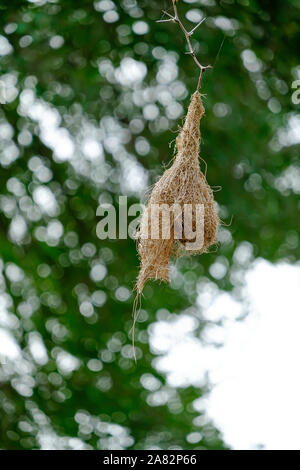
182	183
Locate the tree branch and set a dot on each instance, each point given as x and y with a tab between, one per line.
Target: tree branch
175	18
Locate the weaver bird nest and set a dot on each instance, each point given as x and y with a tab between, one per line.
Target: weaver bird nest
182	185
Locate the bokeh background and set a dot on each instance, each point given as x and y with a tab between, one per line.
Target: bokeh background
92	93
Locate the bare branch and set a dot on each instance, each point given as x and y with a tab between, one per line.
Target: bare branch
187	35
197	26
168	14
164	21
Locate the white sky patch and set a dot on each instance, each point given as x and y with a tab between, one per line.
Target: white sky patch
223	306
49	440
130	72
52	134
98	272
14	273
250	61
66	362
226	24
140	27
6	131
187	371
134	177
5	46
195	15
45	199
256	397
167	73
183	352
17	229
56	41
55	230
291	134
9	348
61	142
255	373
92	149
289	180
104	5
8	88
37	348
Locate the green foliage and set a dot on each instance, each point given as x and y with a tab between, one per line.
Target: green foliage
66	87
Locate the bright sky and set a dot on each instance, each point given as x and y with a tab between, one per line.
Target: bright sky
256	396
256	374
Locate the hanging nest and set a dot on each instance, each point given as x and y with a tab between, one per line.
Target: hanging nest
183	183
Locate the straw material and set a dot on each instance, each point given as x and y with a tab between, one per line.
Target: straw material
183	183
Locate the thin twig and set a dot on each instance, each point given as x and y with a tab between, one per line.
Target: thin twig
175	18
